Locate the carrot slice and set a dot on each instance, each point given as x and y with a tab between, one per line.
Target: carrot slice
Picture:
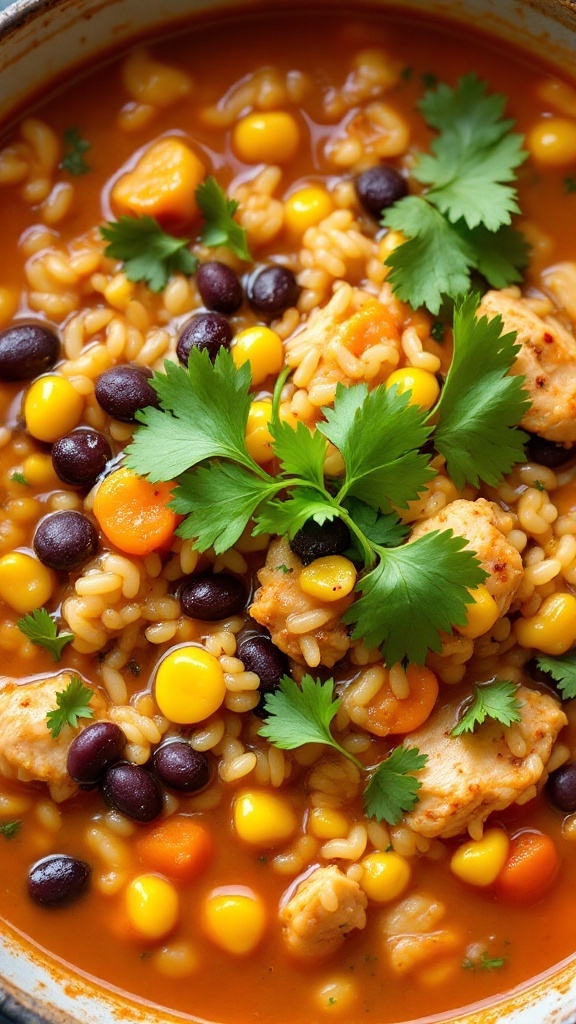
162	185
387	714
179	848
530	870
133	513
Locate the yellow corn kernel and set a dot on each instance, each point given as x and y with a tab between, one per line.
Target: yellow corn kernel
422	385
271	137
235	921
52	407
151	904
390	242
328	578
39	471
258	437
262	348
481	614
189	685
552	141
553	629
163	183
385	876
25	584
327	823
263	819
480	861
306	208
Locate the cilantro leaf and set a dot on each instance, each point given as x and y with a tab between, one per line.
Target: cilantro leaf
219	501
563	671
379	436
499	256
301	714
40	628
480	403
9	829
426	581
72	703
19	478
392	789
74	148
203	415
301	452
386	531
220	228
495	700
286	517
148	253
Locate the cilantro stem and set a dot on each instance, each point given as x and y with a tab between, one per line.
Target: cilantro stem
367	548
280	382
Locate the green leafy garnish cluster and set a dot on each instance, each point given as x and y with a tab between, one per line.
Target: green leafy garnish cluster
197	437
10	829
220	228
462	221
496	700
74	149
303	714
72	703
562	668
40	628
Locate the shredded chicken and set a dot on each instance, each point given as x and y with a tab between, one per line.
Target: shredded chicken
325	908
468	777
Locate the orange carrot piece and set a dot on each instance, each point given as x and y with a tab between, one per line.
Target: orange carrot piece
387	714
133	513
179	848
530	869
162	185
369	326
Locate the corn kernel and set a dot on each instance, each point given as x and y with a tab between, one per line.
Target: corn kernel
272	137
306	208
480	861
39	471
327	823
263	819
151	904
235	921
552	141
385	876
25	584
390	242
189	685
262	348
258	437
422	385
481	614
328	578
337	996
52	408
553	629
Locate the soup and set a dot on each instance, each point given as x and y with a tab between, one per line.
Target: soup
288	705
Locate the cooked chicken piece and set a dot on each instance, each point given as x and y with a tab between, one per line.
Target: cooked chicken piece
281	606
547	358
468	777
479	522
27	750
325	908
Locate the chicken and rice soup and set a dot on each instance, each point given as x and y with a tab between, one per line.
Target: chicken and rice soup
288	530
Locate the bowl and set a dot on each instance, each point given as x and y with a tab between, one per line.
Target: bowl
41	42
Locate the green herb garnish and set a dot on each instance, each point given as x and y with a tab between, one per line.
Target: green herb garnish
485	963
19	478
563	671
9	829
218	211
148	253
74	149
73	703
570	183
40	628
496	700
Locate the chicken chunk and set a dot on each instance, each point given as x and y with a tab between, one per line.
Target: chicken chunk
468	777
281	605
480	523
547	358
325	908
28	751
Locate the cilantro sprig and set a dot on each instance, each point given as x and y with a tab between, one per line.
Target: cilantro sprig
75	147
148	253
10	829
72	703
563	671
462	221
220	228
41	629
496	700
303	714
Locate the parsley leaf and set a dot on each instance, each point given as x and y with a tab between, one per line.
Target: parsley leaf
392	789
563	672
495	700
74	148
9	829
301	452
480	403
220	228
485	963
386	531
73	703
286	517
40	628
219	501
148	253
19	478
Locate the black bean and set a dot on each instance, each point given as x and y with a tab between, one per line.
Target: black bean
219	287
133	791
26	350
380	187
213	596
125	390
80	457
258	654
313	541
93	751
204	330
547	453
57	880
273	290
180	767
65	540
561	787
